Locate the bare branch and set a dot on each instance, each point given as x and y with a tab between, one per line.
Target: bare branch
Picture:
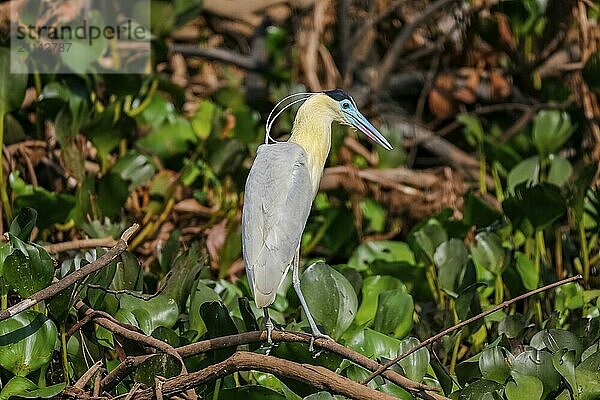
70	279
316	376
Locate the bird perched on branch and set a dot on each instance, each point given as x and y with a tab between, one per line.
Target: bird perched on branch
281	187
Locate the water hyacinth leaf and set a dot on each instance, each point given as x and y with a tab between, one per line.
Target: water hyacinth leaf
442	376
587	377
203	119
218	323
564	361
24	223
28	268
489	253
26	342
112	192
557	339
170	140
202	294
330	297
472	128
135	168
524	387
468	370
376	345
481	390
512	326
494	364
395	391
430	236
526	269
538	363
52	207
382	250
167	335
541	205
527	171
414	365
22	387
551	129
450	259
478	212
158	311
394	316
372	287
560	170
163	365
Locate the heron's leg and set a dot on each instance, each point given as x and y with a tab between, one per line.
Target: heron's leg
316	333
268	326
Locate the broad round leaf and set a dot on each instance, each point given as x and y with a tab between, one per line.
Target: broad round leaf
524	387
330	297
564	361
394	315
28	268
480	390
560	170
24	388
414	365
372	287
381	250
556	340
157	311
164	365
551	129
202	294
24	223
527	171
26	342
450	259
488	252
494	364
527	272
538	364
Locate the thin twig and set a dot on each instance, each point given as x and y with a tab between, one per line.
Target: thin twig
315	376
83	380
445	332
72	278
80	244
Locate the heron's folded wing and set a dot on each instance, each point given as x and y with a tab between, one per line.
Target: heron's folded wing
277	202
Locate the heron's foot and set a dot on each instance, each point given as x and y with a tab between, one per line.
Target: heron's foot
313	337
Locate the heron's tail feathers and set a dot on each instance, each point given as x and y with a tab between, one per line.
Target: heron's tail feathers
262	299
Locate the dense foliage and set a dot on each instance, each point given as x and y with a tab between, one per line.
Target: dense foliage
89	155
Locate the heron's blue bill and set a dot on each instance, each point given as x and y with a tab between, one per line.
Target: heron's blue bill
362	124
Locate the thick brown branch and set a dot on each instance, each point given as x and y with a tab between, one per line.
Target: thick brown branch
456	327
70	279
315	376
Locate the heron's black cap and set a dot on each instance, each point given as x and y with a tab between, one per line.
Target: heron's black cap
338	94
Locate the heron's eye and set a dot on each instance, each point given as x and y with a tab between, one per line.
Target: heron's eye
345	106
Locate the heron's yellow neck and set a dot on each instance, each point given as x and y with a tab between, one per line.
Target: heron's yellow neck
312	131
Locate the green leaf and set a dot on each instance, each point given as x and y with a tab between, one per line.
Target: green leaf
170	140
111	195
159	310
494	364
489	253
24	223
203	119
218	323
372	287
551	129
564	361
330	298
450	258
202	294
527	171
473	130
12	86
512	326
526	269
382	250
524	387
538	364
52	207
135	168
163	365
430	236
480	390
23	388
541	205
28	268
373	344
394	316
555	340
26	342
416	364
560	170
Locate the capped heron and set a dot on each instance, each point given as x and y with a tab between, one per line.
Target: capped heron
281	187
